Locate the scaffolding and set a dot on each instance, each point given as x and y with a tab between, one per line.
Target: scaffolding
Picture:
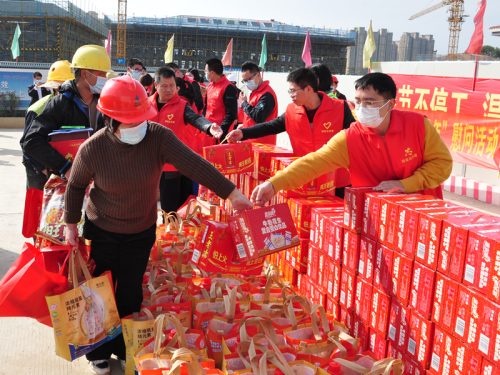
199	38
51	30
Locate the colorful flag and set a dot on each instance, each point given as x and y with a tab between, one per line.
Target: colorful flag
169	53
263	53
369	48
108	44
16	52
228	55
306	54
476	42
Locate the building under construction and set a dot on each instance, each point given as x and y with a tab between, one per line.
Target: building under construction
51	30
199	38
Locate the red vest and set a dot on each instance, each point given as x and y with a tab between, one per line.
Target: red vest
172	116
216	110
327	122
395	156
253	100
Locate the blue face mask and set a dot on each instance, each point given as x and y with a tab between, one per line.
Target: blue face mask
251	85
135	135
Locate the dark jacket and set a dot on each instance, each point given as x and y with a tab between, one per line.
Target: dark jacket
33	93
64	109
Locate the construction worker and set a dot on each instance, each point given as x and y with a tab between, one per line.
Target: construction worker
75	106
36	91
310	121
125	160
176	114
263	103
198	99
336	92
36	173
386	148
221	102
135	68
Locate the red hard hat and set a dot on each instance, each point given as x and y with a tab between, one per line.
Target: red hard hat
125	100
334	78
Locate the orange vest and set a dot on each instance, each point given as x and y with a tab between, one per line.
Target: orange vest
216	110
327	122
395	156
171	115
253	100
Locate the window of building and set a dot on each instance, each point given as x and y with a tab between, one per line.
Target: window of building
176	51
183	64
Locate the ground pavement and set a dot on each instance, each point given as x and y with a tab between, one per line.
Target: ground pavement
27	347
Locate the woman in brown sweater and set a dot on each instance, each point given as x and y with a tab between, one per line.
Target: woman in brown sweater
125	161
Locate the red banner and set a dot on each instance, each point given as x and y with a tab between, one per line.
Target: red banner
468	121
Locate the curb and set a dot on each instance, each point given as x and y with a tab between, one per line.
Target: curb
473	189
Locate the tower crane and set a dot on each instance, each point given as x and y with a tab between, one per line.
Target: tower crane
455	19
121	31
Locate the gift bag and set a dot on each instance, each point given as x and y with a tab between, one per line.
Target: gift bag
85	316
32	210
366	365
51	221
32	276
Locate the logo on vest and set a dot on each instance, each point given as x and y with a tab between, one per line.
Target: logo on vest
216	93
409	155
327	126
169	119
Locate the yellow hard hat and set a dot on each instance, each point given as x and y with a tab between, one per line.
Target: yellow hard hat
60	71
91	57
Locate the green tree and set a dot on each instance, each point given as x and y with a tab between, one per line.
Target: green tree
491	51
9	105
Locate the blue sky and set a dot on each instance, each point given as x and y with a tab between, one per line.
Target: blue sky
388	14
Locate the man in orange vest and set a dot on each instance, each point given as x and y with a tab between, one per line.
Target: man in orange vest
176	113
311	120
221	102
262	105
198	98
385	149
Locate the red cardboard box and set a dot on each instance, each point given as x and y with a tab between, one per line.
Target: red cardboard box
462	313
326	274
332	308
354	199
481	269
319	219
263	154
420	339
380	311
393	352
466	361
383	269
312	264
399	325
411	367
445	301
302	253
367	250
443	353
402	271
495	353
321	266
422	290
372	212
230	158
347	319
486	328
361	331
488	368
334	281
301	211
257	233
378	345
335	240
363	300
350	259
347	290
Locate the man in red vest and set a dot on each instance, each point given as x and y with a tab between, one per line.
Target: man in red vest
385	149
311	120
198	98
221	101
176	114
262	105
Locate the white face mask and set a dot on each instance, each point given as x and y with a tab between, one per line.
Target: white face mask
135	74
251	85
99	84
370	117
133	136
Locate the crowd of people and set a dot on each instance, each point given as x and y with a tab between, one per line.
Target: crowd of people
149	133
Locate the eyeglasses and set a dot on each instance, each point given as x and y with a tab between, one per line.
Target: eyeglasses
291	92
207	73
368	104
248	80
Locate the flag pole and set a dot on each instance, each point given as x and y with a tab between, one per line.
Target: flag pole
475	76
